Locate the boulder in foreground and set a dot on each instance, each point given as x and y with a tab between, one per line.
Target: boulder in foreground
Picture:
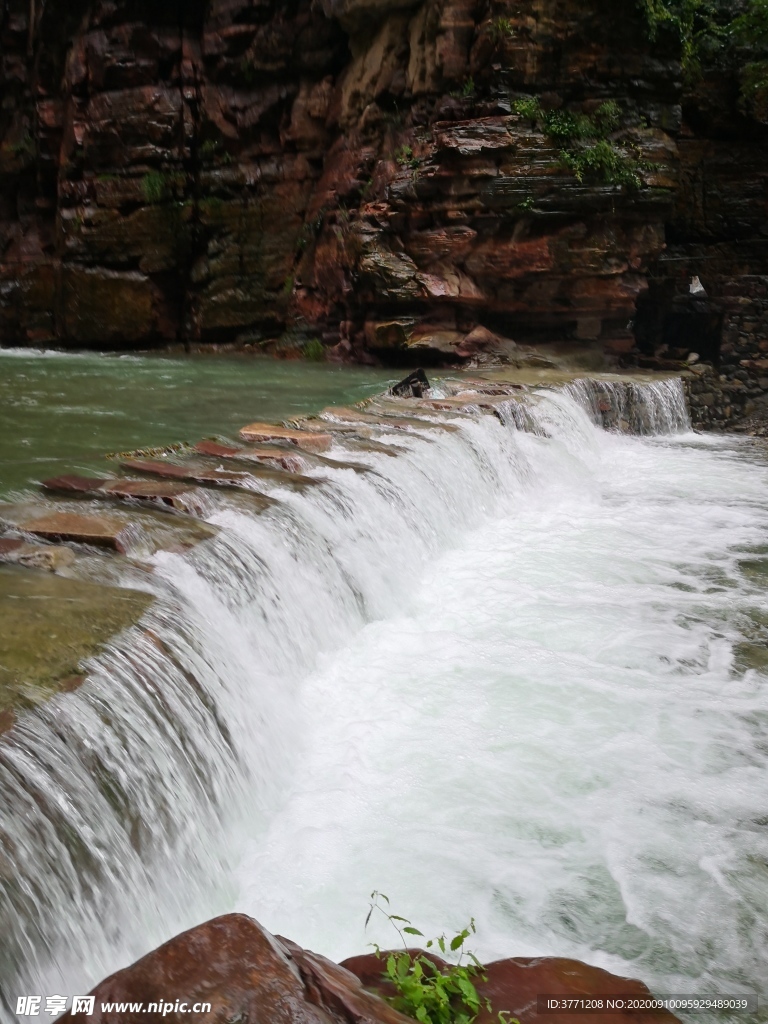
250	976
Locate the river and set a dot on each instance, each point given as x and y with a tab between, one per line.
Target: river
515	674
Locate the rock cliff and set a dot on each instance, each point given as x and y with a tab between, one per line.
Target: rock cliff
360	171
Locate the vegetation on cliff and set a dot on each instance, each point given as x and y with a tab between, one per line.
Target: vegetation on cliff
733	33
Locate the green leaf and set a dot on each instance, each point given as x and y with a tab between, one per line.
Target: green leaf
441	943
410	930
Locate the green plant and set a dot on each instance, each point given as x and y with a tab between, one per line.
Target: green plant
425	991
209	149
24	146
404	156
248	72
526	204
750	30
468	89
604	162
562	125
529	108
500	29
314	350
155	187
696	23
589	149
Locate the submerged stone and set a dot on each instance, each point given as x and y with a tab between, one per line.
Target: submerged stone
52	557
50	626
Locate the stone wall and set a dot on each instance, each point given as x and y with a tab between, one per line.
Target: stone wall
714	401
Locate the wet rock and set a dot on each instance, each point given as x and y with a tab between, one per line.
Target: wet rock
51	625
275	457
226	477
412	386
311	442
245	974
137	532
384	414
514	986
249	975
52	558
102	531
165	493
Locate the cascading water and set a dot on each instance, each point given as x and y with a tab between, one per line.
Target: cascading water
516	671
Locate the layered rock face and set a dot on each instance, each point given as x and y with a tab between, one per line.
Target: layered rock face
352	170
232	969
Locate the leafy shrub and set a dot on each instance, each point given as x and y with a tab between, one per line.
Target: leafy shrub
424	991
750	29
603	162
587	149
314	350
500	29
405	158
155	187
529	108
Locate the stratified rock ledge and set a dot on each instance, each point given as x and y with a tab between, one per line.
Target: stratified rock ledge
250	976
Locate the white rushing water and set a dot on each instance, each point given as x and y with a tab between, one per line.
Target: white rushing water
512	674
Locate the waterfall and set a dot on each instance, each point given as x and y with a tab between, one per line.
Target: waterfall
128	808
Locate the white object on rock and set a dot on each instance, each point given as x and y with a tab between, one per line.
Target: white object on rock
696	287
693	357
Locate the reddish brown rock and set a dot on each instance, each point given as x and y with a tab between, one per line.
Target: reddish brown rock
355	171
245	974
102	531
311	442
164	492
267	456
514	986
199	474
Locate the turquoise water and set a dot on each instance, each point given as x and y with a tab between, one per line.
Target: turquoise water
62	412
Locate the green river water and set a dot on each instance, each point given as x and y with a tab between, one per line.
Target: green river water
61	413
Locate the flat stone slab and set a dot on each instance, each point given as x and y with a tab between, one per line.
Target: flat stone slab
101	531
275	458
133	532
162	492
229	477
50	626
311	442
